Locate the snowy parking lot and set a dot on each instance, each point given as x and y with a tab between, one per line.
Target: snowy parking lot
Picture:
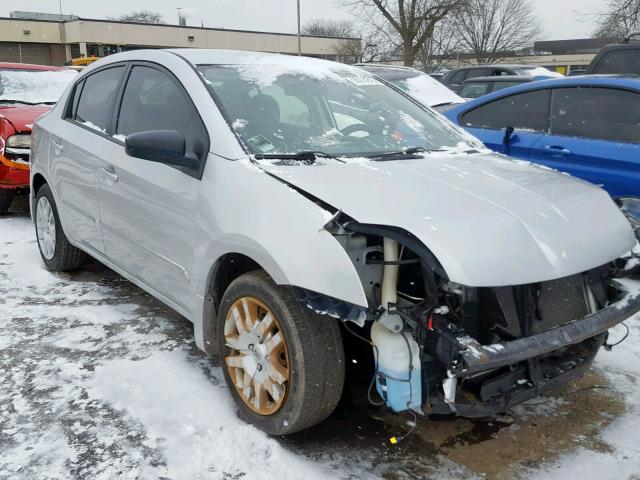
101	381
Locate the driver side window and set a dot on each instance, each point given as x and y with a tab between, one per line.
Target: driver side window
154	101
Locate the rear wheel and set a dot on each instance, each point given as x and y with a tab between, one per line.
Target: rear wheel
283	363
57	253
6	199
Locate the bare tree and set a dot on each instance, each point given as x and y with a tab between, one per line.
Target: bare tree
413	20
493	30
435	51
354	44
618	19
329	28
141	16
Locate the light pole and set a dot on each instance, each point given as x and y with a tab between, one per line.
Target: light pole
299	32
60	5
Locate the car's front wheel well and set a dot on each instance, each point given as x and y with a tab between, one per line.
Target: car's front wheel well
37	183
226	270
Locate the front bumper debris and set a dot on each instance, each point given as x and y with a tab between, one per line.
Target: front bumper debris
493	378
476	358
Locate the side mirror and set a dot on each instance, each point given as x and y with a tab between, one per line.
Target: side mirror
162	146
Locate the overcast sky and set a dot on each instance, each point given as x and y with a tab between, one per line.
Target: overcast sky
561	18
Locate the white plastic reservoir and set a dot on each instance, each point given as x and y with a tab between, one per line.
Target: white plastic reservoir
399	379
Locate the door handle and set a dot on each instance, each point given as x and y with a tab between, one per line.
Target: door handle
109	176
57	146
553	150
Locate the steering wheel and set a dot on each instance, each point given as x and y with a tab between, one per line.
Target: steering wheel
357	127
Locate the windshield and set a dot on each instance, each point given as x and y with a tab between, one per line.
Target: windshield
34	86
308	107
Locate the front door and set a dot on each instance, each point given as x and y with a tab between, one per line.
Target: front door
148	209
594	135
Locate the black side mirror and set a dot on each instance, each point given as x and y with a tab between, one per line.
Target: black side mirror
508	135
162	146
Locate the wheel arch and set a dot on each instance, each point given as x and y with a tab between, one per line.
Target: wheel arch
222	272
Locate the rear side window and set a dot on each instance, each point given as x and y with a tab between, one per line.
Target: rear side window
502	85
153	100
474	89
596	113
479	72
458	77
620	61
524	111
98	97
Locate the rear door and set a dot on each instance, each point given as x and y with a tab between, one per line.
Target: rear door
527	113
148	209
595	135
76	147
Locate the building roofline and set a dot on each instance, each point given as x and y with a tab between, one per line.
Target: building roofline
233	30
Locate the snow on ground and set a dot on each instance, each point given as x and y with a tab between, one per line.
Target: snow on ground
100	381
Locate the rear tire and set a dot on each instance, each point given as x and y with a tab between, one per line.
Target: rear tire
6	199
57	253
311	356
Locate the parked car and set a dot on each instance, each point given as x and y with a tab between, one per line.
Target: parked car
220	182
619	58
419	85
586	126
476	87
455	78
26	92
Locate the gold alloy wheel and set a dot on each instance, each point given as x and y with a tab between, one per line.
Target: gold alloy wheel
257	358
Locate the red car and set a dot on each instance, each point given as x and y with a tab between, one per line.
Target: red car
26	92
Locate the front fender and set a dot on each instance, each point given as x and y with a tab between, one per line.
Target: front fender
247	211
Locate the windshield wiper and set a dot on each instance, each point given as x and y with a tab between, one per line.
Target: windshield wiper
305	156
409	152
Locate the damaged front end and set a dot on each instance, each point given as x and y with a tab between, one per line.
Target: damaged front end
444	348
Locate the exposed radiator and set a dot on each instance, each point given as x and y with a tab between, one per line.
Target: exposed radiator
558	302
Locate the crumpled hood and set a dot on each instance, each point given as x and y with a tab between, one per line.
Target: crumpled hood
489	220
23	117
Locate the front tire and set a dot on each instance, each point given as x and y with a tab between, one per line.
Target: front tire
57	253
283	363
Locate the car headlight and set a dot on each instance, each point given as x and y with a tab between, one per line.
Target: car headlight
21	140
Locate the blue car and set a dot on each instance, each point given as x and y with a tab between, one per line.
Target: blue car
587	126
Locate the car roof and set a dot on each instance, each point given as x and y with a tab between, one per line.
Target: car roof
514	66
392	73
502	78
400	68
620	81
27	66
204	56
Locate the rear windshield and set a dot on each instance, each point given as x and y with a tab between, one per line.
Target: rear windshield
619	61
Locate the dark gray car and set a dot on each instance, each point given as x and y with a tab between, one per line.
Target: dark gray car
455	78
